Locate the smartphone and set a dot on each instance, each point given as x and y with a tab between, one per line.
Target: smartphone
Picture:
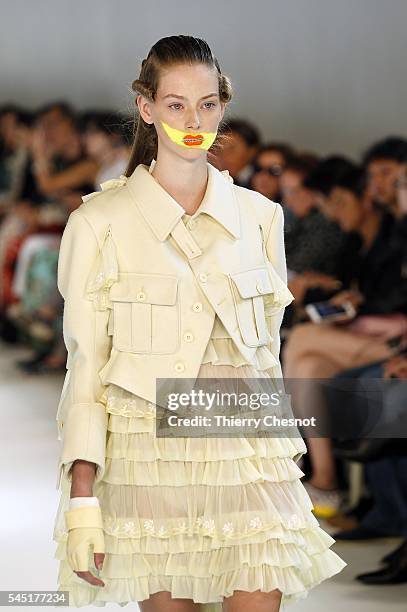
325	311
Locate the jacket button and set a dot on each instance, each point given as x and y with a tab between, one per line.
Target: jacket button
188	337
141	296
203	277
197	307
179	366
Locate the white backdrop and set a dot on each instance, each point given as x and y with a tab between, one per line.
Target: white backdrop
328	75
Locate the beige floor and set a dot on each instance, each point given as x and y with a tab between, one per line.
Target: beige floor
29	449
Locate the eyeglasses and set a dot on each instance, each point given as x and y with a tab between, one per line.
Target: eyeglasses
274	170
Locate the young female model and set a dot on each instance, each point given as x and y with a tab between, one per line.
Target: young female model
173	271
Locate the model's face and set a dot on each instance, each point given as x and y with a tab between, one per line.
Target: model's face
381	176
187	104
296	197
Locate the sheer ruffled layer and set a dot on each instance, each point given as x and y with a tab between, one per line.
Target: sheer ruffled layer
161	472
223	513
146	578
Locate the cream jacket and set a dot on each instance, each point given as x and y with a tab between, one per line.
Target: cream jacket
141	290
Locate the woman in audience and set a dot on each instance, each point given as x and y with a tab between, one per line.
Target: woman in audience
62	168
105	141
268	167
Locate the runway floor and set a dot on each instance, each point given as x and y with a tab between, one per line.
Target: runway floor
29	449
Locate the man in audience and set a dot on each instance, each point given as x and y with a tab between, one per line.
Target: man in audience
384	162
313	243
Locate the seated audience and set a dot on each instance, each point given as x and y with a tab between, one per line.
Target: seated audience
313	350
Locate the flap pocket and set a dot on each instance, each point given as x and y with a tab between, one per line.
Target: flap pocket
252	283
248	289
146	288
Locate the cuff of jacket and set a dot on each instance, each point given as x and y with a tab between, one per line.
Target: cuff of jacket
84	437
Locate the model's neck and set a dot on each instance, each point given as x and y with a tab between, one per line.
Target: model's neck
184	180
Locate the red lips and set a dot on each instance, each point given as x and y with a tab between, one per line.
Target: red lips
192	140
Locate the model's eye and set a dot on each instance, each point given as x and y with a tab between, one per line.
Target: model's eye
213	104
176	104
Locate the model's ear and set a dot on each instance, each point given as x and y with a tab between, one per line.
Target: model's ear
144	107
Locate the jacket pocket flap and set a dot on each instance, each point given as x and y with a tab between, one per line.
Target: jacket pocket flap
252	283
145	288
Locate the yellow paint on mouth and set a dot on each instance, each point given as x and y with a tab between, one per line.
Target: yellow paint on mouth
202	140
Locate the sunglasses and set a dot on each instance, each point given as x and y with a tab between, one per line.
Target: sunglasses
274	170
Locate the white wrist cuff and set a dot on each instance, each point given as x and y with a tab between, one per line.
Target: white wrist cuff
76	502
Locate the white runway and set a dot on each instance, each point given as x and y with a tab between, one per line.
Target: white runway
29	451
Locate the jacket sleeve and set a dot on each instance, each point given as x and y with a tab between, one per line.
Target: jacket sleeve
81	417
275	305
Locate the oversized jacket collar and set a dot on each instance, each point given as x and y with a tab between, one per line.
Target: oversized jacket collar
162	212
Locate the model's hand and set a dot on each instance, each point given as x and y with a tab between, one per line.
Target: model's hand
85	530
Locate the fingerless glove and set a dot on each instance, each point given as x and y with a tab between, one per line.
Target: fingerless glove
85	529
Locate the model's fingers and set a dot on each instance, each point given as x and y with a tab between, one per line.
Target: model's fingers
89	577
99	558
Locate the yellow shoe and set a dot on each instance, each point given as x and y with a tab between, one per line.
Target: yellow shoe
326	502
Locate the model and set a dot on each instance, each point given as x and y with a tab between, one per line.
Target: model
174	272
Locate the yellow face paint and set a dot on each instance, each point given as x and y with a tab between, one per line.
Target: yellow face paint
202	140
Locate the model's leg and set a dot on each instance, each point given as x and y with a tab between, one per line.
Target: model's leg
241	601
163	602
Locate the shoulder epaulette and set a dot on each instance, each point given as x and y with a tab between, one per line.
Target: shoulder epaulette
106	185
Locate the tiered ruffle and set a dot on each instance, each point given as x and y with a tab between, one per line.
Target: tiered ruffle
221	350
199	517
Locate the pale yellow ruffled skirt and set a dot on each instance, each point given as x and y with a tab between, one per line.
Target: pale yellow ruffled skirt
199	517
